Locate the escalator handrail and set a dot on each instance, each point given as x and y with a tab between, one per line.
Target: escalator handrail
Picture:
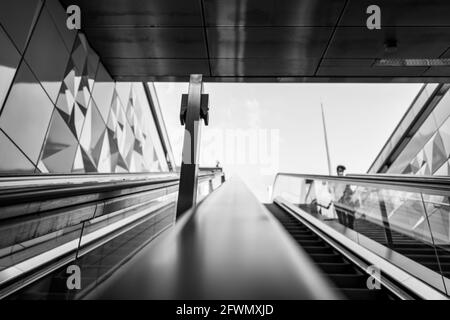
404	182
41	188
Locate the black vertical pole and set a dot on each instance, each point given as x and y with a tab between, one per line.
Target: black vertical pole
190	116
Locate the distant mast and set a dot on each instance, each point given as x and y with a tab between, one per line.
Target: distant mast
326	140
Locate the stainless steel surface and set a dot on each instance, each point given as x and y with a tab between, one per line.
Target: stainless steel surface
265	40
229	248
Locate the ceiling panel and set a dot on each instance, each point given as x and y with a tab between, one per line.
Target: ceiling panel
263	67
139	12
156	67
412	42
437	72
258	42
148	42
364	67
272	12
268	40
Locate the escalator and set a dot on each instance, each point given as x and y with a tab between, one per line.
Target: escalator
347	278
96	222
418	251
396	224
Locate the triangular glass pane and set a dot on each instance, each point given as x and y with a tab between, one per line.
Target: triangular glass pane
408	169
439	156
89	165
61	162
96	150
79	54
78	164
112	121
444	170
42	168
428	152
65	102
104	163
445	134
11	158
77	120
138	146
59	138
71	78
83	94
121	163
93	127
123	91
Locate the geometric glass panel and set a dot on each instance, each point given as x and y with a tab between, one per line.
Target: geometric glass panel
9	60
86	60
439	154
11	159
415	165
104	162
408	170
83	162
73	100
123	91
129	108
126	145
442	111
19	29
103	91
428	152
59	16
83	95
149	130
424	170
444	131
27	113
79	54
41	168
47	55
93	131
443	170
60	146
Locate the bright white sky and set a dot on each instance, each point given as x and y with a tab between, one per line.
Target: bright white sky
285	125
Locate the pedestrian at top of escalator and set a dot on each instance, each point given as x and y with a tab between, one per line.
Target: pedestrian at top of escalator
340	170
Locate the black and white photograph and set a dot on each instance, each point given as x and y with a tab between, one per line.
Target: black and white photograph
224	158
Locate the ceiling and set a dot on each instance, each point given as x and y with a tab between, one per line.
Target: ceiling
266	40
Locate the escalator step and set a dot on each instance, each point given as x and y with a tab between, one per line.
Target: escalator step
427	258
337	268
305	237
296	232
327	258
315	249
349	281
413	251
317	242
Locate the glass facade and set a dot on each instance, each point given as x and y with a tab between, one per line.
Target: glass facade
428	151
60	110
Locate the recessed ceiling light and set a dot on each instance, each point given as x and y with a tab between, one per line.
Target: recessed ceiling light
412	63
